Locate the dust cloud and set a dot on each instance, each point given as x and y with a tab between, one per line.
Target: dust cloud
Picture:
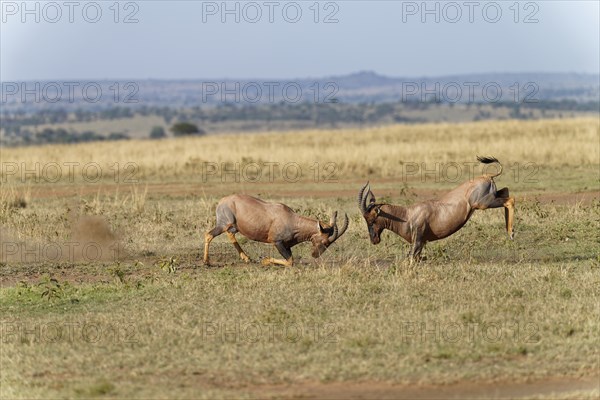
90	239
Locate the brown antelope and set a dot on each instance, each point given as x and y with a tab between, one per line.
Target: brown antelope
436	219
271	223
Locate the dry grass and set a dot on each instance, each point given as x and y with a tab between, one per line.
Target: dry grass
171	334
154	323
379	152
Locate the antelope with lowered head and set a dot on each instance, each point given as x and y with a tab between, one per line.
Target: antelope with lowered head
436	219
271	223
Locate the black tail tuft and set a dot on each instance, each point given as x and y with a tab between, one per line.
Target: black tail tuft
487	160
490	160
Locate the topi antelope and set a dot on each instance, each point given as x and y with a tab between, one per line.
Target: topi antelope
271	223
436	219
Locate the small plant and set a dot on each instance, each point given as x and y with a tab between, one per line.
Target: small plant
169	265
23	288
406	190
539	210
100	388
118	273
51	289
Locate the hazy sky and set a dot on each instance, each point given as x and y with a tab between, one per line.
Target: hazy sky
188	39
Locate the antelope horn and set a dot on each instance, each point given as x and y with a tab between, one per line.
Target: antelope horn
362	198
336	232
333	222
333	218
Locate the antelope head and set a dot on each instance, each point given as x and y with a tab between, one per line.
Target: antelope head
327	235
371	212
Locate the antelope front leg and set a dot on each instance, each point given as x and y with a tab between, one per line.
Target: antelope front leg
286	263
237	246
509	214
285	251
414	253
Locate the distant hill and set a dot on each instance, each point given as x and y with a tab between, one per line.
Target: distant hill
476	88
360	87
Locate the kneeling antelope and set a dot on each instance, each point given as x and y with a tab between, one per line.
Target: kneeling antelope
271	223
436	219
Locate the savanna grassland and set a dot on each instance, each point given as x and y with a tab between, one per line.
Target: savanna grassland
104	293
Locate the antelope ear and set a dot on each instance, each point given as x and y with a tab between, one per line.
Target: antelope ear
370	197
321	229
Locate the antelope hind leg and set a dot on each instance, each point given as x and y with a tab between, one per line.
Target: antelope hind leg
237	246
496	200
508	203
208	237
509	214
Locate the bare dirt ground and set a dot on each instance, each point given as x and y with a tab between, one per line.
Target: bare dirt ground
553	387
195	189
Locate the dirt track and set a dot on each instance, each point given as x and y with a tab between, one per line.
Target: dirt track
464	390
196	189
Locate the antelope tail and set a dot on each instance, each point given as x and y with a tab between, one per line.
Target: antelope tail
490	160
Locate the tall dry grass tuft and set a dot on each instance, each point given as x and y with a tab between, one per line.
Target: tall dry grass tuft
138	198
12	197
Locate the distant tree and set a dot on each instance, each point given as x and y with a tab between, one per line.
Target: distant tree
157	132
118	136
185	128
58	135
88	136
116	112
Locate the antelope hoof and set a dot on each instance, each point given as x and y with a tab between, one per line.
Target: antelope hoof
245	258
511	235
265	262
